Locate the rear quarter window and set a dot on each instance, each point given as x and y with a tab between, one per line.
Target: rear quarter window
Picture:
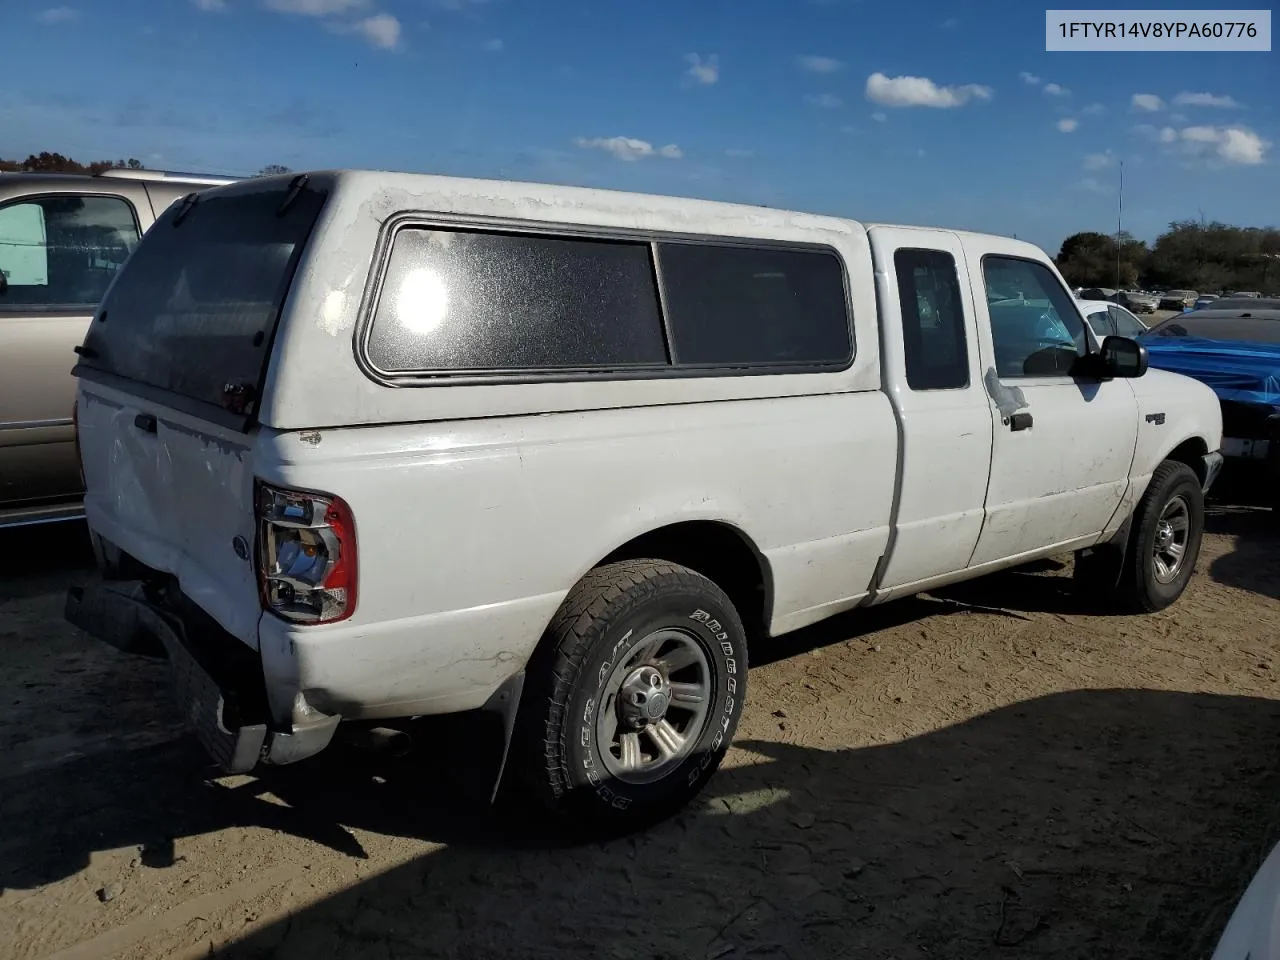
458	301
461	301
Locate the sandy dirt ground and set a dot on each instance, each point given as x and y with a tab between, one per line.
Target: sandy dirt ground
994	771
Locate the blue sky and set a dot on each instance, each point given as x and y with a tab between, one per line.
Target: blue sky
915	112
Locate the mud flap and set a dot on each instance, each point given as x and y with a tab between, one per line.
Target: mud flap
505	702
1105	560
1212	467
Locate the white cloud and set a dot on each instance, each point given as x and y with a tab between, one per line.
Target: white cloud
382	30
921	92
210	6
1231	144
1099	161
1068	124
1030	78
1093	186
58	15
495	45
820	64
1147	101
1194	134
1056	90
704	71
1236	144
1241	145
828	101
316	8
1094	109
739	153
629	148
1188	99
950	23
879	117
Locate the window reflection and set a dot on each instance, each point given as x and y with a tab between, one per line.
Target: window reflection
422	302
461	300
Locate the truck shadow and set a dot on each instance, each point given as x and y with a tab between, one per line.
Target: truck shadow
36	560
1254	562
1116	822
1046	585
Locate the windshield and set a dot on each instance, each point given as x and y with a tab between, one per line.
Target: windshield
194	310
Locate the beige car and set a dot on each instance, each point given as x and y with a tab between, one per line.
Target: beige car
62	238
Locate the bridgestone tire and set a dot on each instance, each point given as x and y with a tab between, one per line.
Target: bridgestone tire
1140	590
603	617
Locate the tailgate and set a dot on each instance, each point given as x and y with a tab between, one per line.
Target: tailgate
176	493
172	371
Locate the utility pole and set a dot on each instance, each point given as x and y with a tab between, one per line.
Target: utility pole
1119	220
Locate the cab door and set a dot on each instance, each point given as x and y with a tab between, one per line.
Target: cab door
930	356
1063	445
58	252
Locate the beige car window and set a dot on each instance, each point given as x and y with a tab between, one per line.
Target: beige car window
63	250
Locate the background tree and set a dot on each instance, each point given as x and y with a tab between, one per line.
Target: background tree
271	169
1089	260
1213	257
1207	257
46	162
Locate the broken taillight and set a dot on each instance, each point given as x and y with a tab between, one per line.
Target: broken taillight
306	555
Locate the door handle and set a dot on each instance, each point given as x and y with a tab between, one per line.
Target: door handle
1020	421
146	422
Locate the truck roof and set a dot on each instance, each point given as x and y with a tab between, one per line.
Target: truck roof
551	203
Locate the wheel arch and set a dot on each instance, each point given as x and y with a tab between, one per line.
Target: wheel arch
721	552
1190	451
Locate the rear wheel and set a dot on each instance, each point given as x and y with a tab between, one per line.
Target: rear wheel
636	697
1167	529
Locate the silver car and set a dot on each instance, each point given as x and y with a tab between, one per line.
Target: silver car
1107	319
62	238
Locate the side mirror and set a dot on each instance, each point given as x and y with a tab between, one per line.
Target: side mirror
1123	357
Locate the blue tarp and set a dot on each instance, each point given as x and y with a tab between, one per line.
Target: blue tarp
1235	369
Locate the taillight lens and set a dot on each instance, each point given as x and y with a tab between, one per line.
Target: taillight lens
306	555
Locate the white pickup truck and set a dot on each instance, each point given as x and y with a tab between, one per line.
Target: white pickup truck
363	446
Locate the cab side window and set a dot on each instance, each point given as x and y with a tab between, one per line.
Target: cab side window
1036	329
933	335
62	251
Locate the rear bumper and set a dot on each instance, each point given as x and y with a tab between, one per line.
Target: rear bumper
219	688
